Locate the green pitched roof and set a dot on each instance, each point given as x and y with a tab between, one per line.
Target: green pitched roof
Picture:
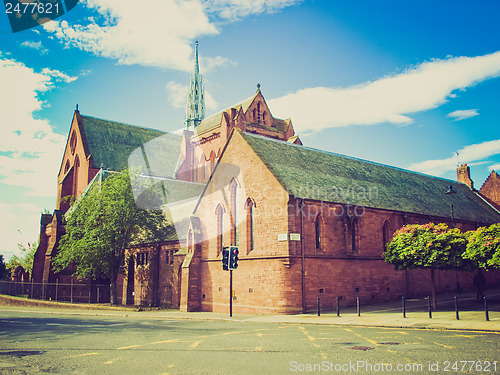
319	175
111	143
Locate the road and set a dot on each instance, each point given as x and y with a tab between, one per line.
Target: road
33	342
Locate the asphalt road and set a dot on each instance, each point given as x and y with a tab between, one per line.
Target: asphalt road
34	343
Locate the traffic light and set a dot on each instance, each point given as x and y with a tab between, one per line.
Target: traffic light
225	258
233	257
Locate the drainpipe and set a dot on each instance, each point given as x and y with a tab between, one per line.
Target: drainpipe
302	256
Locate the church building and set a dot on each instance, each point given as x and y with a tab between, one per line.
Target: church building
308	223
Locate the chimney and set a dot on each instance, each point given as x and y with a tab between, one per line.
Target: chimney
463	175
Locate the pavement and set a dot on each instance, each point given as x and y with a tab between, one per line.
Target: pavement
471	314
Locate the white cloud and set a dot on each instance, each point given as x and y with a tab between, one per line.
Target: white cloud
58	75
232	10
468	154
390	99
36	46
30	151
159	34
177	96
16	223
462	114
494	167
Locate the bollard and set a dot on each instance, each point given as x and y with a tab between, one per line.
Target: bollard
358	307
338	306
486	309
57	287
403	301
71	290
429	306
319	308
456	308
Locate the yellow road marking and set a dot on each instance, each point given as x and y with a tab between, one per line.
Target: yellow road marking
258	348
445	346
232	333
194	345
392	351
403	333
128	347
468	336
324	355
165	341
112	361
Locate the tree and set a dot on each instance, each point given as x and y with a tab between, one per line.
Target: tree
102	224
483	246
429	246
4	274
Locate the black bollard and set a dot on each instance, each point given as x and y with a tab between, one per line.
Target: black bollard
358	307
338	306
429	306
486	309
319	308
403	301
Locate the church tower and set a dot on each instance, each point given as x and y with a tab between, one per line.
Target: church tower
195	106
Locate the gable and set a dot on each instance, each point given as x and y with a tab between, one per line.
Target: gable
319	175
491	189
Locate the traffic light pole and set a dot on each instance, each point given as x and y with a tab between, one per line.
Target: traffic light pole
230	293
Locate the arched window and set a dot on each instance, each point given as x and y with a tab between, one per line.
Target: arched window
253	113
66	167
319	235
202	169
250	225
234	191
264	117
72	142
212	162
385	234
194	169
258	112
355	235
219	212
76	167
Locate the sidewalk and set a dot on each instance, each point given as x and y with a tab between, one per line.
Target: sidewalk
389	314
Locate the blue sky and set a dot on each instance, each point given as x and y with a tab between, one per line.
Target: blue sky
407	84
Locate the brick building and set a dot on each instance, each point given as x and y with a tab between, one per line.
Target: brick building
308	223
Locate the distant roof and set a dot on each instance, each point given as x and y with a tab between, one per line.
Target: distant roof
319	175
111	143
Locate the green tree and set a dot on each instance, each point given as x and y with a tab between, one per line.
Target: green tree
429	246
4	274
102	224
483	246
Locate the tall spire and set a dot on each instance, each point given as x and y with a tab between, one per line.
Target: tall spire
195	106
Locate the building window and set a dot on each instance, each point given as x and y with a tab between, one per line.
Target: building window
220	228
258	112
264	118
72	142
142	259
355	235
250	226
66	167
75	176
319	235
169	257
194	168
235	236
254	116
385	234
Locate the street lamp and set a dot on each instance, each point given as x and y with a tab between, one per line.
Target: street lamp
450	192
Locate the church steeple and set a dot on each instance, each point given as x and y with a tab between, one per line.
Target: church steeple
195	106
